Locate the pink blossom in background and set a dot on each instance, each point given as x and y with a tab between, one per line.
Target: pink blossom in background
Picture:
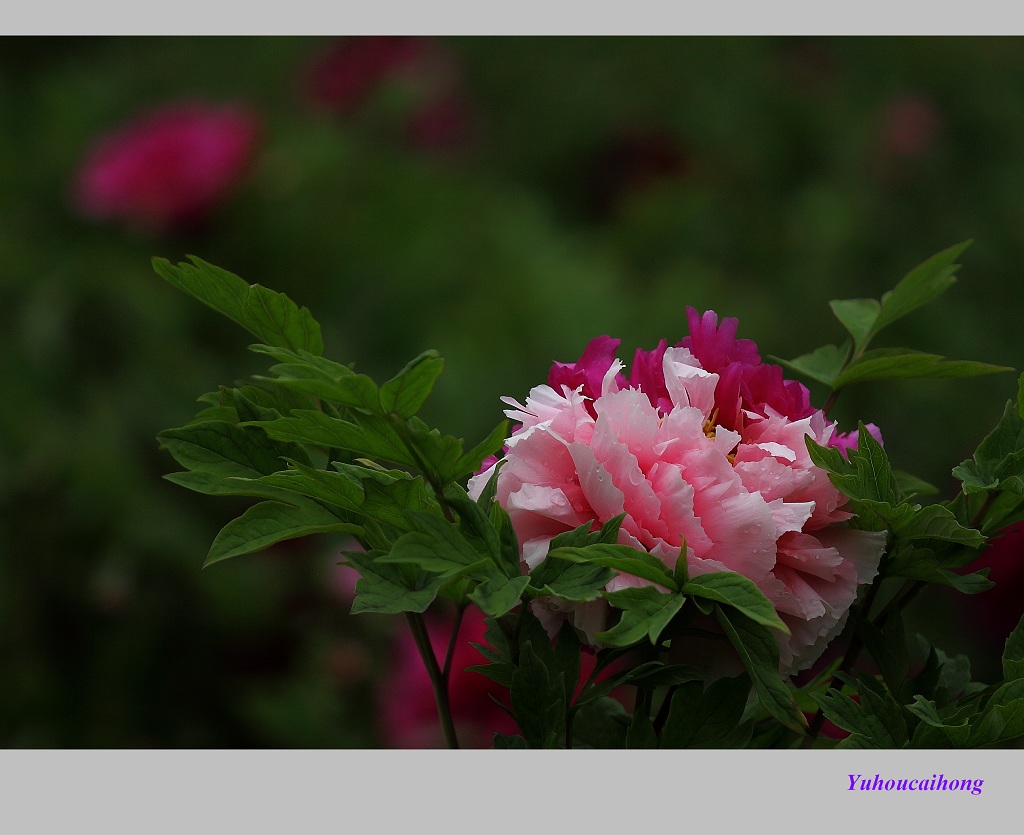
910	126
845	441
993	614
632	163
407	715
352	72
708	448
169	167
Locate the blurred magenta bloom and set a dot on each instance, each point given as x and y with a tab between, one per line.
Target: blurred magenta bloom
994	613
407	715
845	441
170	167
910	126
343	77
355	72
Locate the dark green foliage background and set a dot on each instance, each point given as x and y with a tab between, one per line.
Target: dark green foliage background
504	257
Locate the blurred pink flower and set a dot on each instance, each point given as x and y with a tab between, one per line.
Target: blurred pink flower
407	715
169	167
709	452
993	614
910	126
845	441
347	77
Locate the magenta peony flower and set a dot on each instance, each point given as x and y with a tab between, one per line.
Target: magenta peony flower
170	167
705	445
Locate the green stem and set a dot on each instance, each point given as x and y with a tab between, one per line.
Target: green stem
438	679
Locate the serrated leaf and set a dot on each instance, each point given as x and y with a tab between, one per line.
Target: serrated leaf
365	435
822	364
621	558
760	655
271	317
739	592
645	612
700	718
225	449
390	589
570	581
956	732
270	522
499	594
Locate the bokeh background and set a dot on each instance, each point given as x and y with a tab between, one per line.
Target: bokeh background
500	199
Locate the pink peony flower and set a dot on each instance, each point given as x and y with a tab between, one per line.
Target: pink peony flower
169	167
703	448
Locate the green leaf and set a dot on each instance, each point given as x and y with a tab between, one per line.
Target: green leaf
1013	653
877	721
865	474
336	488
226	450
759	652
901	363
621	558
602	723
307	373
499	594
404	393
924	283
822	364
739	592
448	553
271	317
914	522
924	709
365	435
212	484
269	522
570	581
858	316
390	589
645	613
999	456
1003	718
700	718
